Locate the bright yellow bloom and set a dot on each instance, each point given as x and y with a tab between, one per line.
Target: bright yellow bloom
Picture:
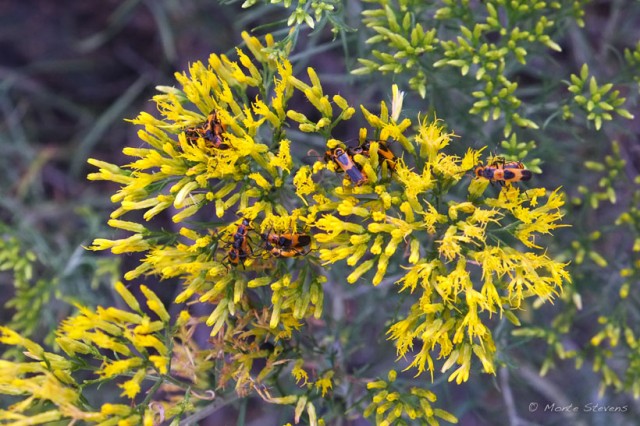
135	243
108	172
10	337
431	139
304	183
127	296
72	347
32	419
360	270
131	388
106	342
45	387
414	184
126	225
160	363
148	327
299	374
260	108
334	226
115	409
260	181
450	246
118	316
141	341
75	327
540	220
324	384
115	368
283	159
155	304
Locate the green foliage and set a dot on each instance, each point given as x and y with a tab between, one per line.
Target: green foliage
29	296
612	348
393	405
596	101
44	288
519	30
612	169
633	60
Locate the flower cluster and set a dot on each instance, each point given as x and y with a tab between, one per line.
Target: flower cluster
114	344
256	231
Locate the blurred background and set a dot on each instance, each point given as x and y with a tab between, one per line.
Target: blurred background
71	72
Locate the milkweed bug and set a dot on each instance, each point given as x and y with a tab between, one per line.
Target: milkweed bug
346	163
287	240
243	229
503	173
211	130
287	244
385	154
284	251
236	256
240	247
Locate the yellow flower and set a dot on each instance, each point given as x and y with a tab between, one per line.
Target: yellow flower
135	243
126	225
132	387
115	409
334	226
115	368
72	347
529	273
260	108
283	159
471	231
539	220
145	341
414	184
420	273
155	304
303	182
254	45
10	337
324	384
431	139
118	316
160	363
450	246
108	172
148	327
299	374
44	386
127	296
32	419
360	270
106	342
383	263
